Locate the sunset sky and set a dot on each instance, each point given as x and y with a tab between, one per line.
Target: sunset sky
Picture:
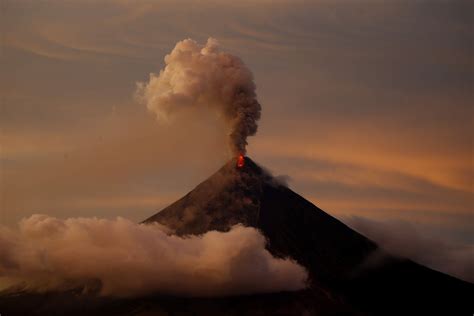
367	106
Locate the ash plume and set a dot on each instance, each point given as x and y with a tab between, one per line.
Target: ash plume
201	76
126	259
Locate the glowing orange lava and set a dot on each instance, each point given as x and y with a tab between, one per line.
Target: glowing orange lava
240	161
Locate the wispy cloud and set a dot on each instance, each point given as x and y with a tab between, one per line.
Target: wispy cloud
404	239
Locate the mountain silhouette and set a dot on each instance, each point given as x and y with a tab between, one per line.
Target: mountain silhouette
341	262
293	226
349	274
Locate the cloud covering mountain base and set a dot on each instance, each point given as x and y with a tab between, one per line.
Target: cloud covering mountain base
128	259
404	239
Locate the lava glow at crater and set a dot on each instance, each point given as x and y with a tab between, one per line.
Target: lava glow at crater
240	161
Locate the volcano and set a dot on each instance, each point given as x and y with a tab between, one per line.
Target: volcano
246	194
348	267
348	273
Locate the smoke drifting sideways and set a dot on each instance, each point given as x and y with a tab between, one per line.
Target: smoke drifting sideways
201	76
125	259
403	239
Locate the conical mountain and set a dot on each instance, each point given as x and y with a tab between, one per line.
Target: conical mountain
345	265
293	226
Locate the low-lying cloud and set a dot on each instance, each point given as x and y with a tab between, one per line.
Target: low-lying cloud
403	239
128	259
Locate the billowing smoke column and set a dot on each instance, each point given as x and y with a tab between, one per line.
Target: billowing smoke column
202	76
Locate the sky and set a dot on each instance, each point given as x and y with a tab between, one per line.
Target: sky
366	105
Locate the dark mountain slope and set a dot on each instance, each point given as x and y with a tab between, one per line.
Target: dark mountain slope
293	226
341	262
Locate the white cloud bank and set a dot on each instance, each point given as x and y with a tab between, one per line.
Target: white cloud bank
129	259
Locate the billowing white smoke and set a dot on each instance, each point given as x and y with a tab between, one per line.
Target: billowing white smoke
130	259
197	76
